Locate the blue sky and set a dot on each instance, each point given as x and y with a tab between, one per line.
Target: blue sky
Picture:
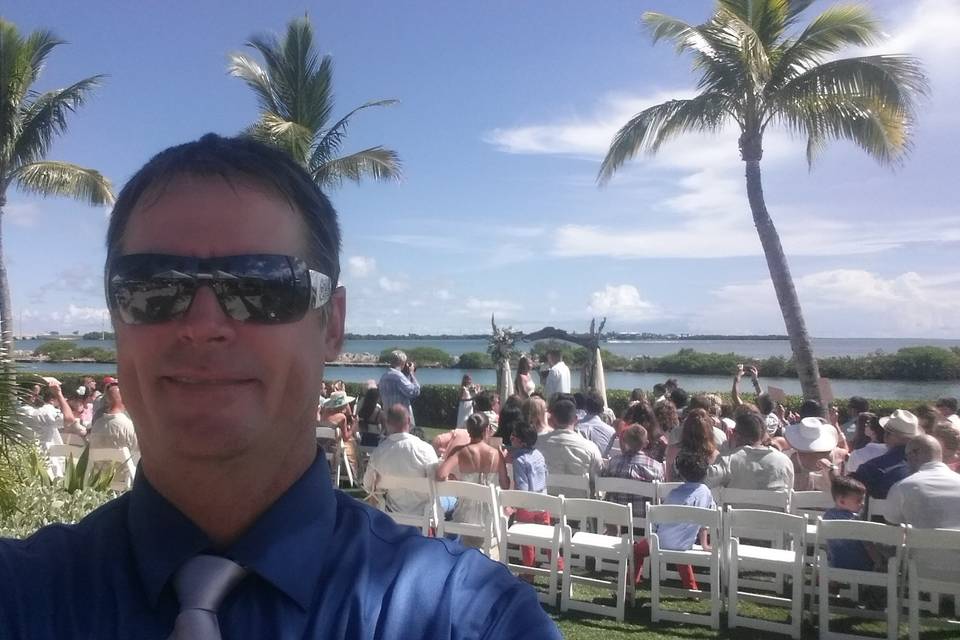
507	108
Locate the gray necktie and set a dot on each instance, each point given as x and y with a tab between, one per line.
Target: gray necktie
201	584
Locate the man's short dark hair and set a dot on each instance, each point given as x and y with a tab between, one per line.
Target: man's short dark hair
843	486
671	384
765	403
593	403
679	397
811	409
564	412
483	401
236	160
525	433
750	426
948	403
858	405
691	466
659	389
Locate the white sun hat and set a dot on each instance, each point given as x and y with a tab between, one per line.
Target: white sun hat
812	434
903	422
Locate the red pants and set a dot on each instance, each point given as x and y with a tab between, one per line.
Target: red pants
528	553
641	550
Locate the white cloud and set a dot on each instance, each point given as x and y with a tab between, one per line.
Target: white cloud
443	294
500	308
392	286
361	266
22	214
623	302
843	302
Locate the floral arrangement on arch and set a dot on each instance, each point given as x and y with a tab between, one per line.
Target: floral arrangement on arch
501	343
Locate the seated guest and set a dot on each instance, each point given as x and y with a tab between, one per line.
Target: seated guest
475	462
669	420
812	440
566	451
679	398
370	418
534	410
643	414
751	465
680	536
510	415
529	474
488	403
336	413
927	416
881	473
400	454
930	496
947	407
848	498
867	441
592	427
695	435
633	464
855	406
928	499
947	433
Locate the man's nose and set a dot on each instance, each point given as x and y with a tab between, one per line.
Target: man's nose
205	320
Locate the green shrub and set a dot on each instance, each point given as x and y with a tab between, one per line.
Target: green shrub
475	360
38	505
56	350
421	355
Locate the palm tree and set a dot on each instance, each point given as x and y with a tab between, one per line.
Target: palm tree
29	123
295	96
758	68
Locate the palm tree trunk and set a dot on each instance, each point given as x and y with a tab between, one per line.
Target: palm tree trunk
6	311
807	369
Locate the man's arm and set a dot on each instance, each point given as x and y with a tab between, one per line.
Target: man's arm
718	473
735	391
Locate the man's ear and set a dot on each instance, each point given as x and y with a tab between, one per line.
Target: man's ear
333	333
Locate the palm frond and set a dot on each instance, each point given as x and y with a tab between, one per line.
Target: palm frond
39	44
249	70
376	162
64	179
765	18
896	81
882	131
836	28
330	142
752	48
290	136
46	117
650	128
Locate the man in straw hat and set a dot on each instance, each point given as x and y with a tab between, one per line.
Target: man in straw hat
882	472
222	271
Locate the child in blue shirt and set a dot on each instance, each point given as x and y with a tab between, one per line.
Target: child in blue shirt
681	536
848	496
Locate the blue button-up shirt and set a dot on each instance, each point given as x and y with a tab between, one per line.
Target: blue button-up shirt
321	565
396	388
529	470
884	471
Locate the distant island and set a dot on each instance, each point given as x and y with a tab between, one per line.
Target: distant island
606	336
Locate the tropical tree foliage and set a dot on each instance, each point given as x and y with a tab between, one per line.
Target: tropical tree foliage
294	90
758	67
29	123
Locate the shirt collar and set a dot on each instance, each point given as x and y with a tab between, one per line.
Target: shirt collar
930	466
283	546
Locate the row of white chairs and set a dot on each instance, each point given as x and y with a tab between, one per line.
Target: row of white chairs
768	539
566	535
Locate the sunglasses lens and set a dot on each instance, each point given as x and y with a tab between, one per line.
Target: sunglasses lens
265	289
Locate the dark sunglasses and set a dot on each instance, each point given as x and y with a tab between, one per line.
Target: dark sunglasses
149	288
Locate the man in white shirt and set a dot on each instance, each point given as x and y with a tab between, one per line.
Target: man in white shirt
558	376
564	450
113	429
46	421
752	465
400	454
929	498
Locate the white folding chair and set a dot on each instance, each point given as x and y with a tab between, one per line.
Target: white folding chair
122	459
754	523
601	546
696	556
58	454
569	485
335	453
763	500
74	439
663	489
933	567
467	494
637	490
812	504
428	518
871	533
537	535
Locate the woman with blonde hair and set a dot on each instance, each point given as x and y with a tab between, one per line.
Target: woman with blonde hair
534	410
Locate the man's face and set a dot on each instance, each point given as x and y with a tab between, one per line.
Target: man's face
204	386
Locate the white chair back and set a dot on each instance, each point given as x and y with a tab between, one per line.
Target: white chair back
664	488
122	458
762	499
421	485
469	495
810	503
568	485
